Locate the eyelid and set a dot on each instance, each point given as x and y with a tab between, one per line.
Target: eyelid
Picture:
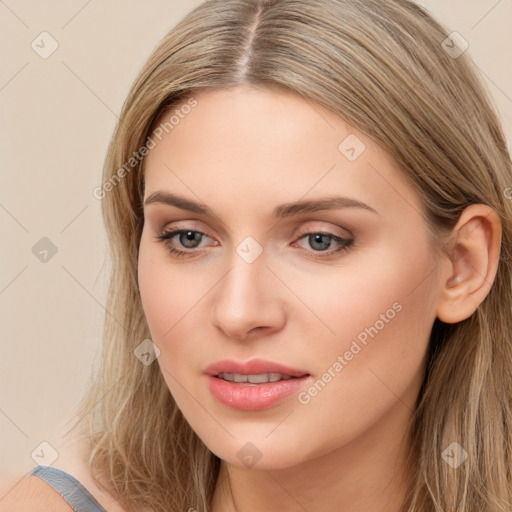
297	234
320	229
183	226
305	227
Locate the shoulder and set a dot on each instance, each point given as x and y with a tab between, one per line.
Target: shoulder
35	494
72	459
30	493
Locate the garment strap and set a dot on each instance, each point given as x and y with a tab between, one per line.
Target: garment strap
76	495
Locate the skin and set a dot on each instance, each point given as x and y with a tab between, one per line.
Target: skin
243	152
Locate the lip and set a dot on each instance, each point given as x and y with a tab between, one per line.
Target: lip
254	397
253	367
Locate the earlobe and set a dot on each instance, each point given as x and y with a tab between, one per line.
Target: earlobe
472	264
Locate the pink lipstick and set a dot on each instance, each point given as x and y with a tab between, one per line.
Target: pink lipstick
254	385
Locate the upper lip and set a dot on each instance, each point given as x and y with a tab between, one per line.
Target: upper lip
253	367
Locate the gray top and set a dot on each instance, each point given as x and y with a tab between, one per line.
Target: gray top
76	495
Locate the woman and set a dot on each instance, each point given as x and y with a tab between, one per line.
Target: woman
308	205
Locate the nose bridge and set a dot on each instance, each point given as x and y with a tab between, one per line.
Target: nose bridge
244	296
240	288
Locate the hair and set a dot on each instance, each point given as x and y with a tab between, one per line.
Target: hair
381	66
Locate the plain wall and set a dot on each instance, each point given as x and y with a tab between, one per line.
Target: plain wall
57	116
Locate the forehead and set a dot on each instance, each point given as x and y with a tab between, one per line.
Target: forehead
272	145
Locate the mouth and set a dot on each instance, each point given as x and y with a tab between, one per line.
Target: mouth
261	378
255	392
254	385
255	371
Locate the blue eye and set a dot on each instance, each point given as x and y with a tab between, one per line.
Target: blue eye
322	240
190	240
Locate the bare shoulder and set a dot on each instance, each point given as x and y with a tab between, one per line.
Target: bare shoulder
29	492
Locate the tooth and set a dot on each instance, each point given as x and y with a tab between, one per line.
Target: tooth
254	379
258	379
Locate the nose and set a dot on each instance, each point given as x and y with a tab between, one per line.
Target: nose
247	300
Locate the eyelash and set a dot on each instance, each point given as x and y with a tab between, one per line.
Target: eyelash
166	236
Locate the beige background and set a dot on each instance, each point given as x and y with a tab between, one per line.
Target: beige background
57	115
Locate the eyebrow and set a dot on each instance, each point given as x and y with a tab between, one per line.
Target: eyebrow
281	211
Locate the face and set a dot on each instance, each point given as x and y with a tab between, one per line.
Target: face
344	294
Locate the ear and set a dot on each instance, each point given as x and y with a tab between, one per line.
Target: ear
474	251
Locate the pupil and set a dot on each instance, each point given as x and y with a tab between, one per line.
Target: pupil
189	236
323	240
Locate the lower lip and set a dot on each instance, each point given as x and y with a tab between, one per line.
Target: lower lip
254	397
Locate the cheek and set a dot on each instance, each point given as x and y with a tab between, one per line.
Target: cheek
376	294
381	315
167	293
174	299
168	298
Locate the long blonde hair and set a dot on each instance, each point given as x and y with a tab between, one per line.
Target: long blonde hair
388	69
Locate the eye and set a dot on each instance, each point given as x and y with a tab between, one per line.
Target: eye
187	238
320	241
190	240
